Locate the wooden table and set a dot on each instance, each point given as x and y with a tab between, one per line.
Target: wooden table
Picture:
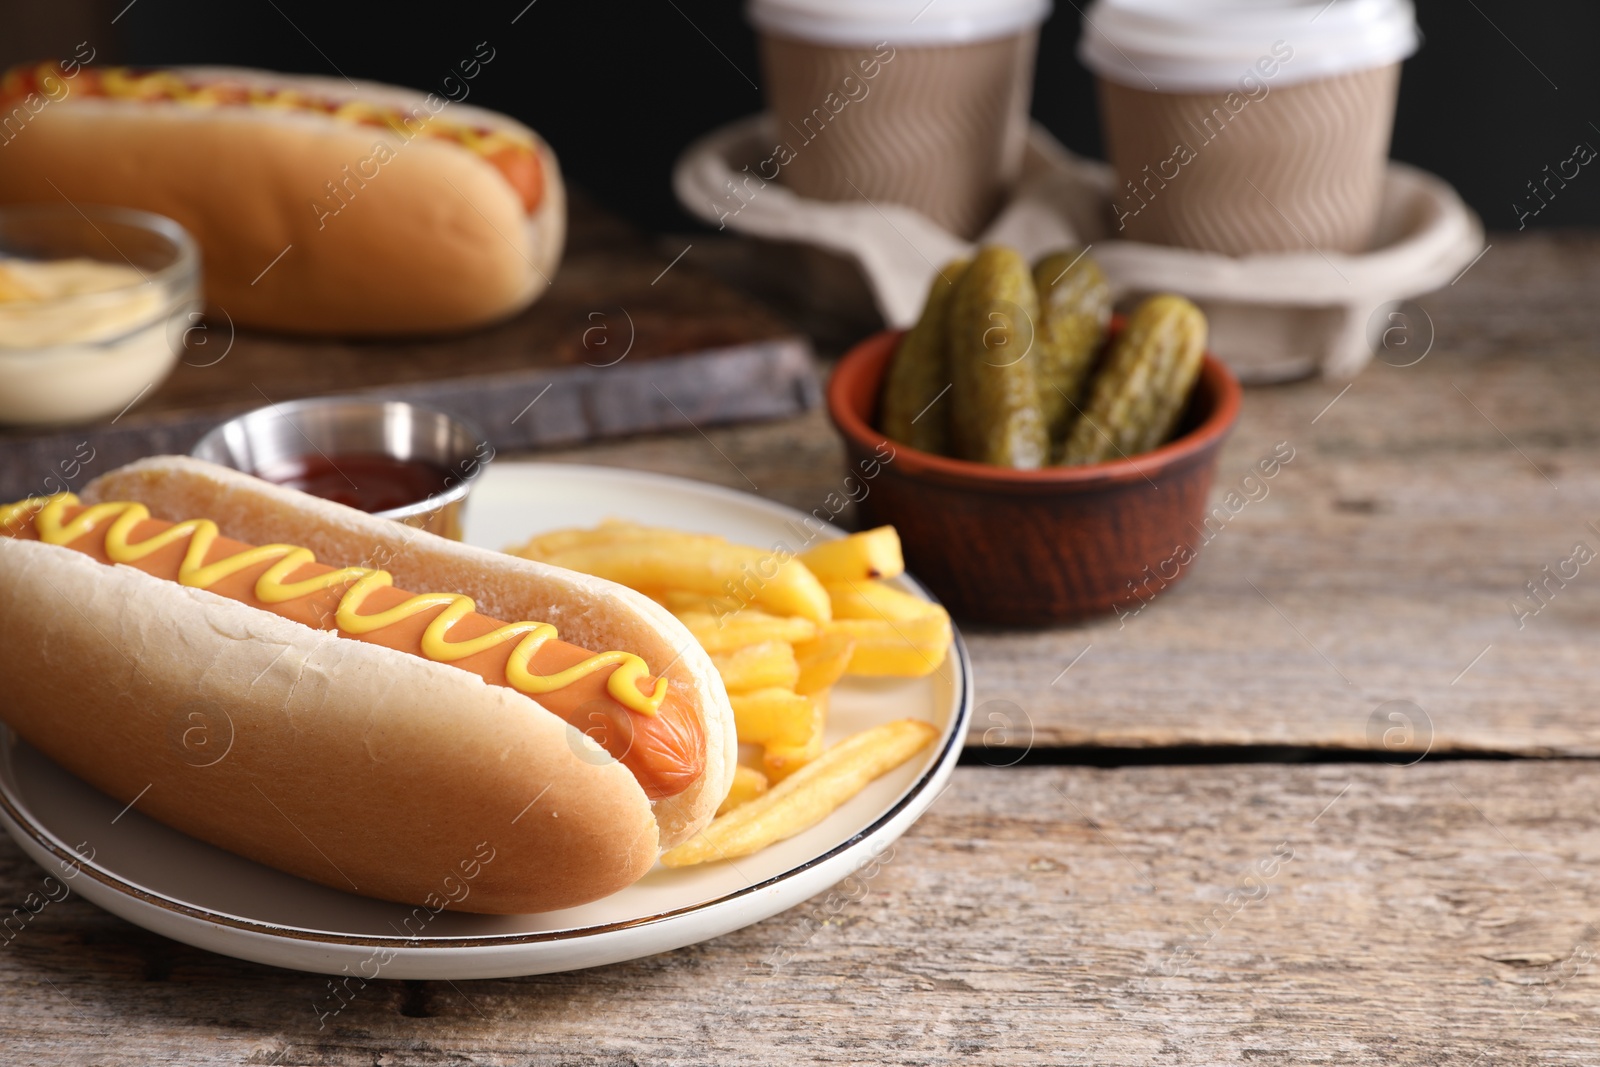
1191	843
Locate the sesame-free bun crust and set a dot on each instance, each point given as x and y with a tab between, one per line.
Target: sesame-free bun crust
432	240
351	764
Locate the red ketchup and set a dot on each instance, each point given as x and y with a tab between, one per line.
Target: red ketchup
369	481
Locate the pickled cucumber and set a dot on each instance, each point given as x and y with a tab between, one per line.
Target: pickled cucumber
1136	400
920	372
995	415
1074	311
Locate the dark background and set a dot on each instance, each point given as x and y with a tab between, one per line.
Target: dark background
1499	90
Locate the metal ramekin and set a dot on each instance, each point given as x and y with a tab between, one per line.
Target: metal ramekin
335	426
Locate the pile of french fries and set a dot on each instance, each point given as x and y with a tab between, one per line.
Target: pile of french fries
782	630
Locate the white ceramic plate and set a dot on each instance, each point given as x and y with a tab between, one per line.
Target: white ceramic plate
190	891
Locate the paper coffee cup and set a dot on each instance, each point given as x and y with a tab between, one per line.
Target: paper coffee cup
1241	129
900	101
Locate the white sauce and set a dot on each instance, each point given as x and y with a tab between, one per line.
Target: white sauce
79	338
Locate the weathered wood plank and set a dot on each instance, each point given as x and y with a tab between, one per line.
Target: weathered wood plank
1352	914
1383	559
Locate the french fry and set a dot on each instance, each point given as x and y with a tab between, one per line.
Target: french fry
683	600
806	797
906	661
780	761
611	531
773	717
715	568
896	647
748	783
822	662
728	632
771	664
926	631
869	554
875	600
658	595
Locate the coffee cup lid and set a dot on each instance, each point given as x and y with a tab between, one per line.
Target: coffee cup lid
898	22
1199	45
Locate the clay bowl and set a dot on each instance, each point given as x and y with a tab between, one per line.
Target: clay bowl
1033	547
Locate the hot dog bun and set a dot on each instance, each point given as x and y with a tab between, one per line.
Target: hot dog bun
350	764
434	239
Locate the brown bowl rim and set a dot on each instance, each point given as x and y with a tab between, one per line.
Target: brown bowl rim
1214	375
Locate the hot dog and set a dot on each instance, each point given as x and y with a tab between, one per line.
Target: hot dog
394	211
375	737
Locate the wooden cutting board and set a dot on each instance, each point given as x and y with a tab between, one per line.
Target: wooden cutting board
627	340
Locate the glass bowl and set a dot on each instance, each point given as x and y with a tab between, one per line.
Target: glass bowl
93	305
